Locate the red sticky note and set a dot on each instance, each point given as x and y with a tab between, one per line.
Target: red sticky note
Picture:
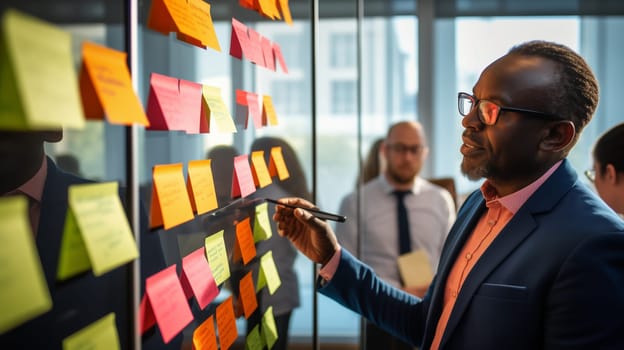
166	298
174	104
248	295
226	324
146	315
242	110
277	52
199	276
242	181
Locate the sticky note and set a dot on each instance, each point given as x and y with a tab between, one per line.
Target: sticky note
262	226
268	111
226	324
284	8
39	84
147	319
277	52
244	247
170	205
97	228
259	169
267	52
254	340
174	104
24	293
200	11
197	273
277	166
238	39
106	87
201	186
254	49
100	335
217	257
166	298
204	336
242	181
267	274
253	103
217	112
269	8
269	329
248	295
175	16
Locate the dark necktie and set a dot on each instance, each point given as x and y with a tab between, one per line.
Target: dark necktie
405	245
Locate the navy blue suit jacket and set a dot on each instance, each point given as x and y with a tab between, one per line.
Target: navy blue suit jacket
552	279
84	299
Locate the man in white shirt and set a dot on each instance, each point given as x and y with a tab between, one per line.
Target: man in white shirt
430	214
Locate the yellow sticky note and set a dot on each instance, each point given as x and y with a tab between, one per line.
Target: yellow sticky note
269	329
100	335
259	169
267	274
106	87
217	111
101	222
201	186
73	257
277	166
262	225
285	10
171	205
268	111
38	81
217	257
254	340
23	293
269	8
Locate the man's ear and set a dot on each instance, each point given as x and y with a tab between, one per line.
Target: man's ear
610	174
558	137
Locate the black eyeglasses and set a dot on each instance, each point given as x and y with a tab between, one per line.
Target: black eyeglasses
403	149
489	111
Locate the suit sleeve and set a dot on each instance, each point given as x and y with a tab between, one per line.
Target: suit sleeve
356	287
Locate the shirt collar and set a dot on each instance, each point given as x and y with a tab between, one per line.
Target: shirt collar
33	188
388	188
514	201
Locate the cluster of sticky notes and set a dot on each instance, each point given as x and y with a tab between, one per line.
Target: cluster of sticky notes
100	335
24	295
274	9
189	19
258	338
247	178
39	84
255	48
106	87
97	234
248	103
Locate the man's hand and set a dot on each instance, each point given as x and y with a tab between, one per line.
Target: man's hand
312	236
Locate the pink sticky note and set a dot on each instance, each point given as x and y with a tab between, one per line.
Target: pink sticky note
267	52
199	276
174	104
253	104
190	100
238	39
277	51
254	49
166	298
242	181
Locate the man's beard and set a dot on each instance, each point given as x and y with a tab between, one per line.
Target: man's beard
475	173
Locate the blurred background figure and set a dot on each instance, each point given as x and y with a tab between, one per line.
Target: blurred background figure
607	173
374	163
69	163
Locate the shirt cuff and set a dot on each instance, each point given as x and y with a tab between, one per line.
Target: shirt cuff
327	272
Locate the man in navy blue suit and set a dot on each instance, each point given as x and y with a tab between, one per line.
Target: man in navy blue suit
535	260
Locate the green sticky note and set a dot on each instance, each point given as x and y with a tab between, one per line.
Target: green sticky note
100	335
254	340
267	274
217	257
73	258
262	225
38	81
269	329
23	290
96	223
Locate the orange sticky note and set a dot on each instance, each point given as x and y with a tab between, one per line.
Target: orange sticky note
175	16
201	186
277	52
166	298
242	179
170	201
259	169
106	87
248	295
204	336
226	324
269	9
245	247
200	11
197	273
284	8
277	166
249	4
268	111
